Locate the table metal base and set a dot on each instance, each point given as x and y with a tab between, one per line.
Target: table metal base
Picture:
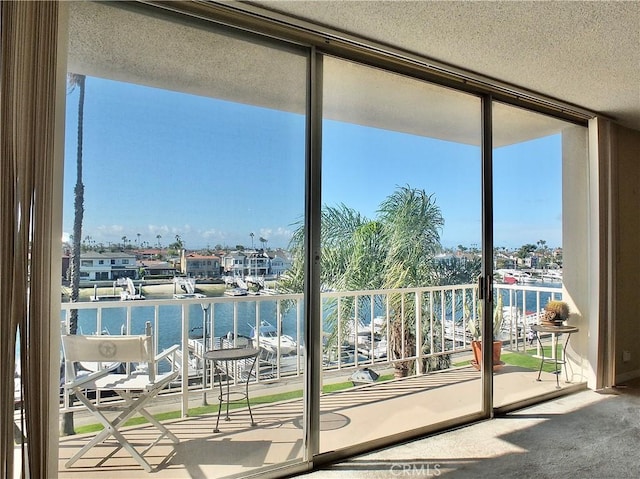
226	356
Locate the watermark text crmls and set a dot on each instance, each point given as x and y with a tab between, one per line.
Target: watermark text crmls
415	470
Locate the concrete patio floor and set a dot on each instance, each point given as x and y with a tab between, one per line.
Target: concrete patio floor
348	417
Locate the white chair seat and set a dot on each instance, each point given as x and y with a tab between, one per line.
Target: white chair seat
133	382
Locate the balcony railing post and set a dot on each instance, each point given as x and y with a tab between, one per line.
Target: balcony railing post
443	307
354	331
403	352
185	360
418	352
432	343
298	337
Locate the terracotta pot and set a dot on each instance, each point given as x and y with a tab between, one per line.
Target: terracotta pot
476	347
400	373
401	370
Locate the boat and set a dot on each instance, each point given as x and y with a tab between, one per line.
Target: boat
552	275
189	296
457	332
236	292
256	280
105	297
271	363
358	333
525	277
188	285
242	289
197	346
267	335
368	339
348	357
377	349
128	292
513	276
195	362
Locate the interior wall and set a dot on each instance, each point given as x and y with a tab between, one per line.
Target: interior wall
576	251
626	150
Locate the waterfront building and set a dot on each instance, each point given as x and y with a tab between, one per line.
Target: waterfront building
157	269
254	263
194	265
95	266
149	253
233	264
279	264
257	264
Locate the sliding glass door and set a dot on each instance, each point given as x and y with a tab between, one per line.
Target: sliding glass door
531	154
184	180
401	245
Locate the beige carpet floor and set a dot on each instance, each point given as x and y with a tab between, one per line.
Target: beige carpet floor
584	435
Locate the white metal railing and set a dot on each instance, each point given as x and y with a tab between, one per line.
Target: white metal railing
357	326
524	305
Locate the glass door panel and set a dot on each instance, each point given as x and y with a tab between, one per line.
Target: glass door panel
401	239
193	159
531	152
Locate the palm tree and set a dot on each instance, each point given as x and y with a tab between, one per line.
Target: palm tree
158	238
263	241
412	222
252	235
177	246
393	251
138	235
76	81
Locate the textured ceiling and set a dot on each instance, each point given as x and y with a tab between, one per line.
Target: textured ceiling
116	43
584	53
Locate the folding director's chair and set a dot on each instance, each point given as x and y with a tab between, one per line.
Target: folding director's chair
136	388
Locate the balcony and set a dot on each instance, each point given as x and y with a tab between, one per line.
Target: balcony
426	400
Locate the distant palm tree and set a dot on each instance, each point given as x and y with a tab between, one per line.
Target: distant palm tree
263	241
541	244
138	235
158	238
252	235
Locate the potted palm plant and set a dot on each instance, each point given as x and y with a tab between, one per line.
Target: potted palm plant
474	327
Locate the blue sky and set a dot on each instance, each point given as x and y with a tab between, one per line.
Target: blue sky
165	163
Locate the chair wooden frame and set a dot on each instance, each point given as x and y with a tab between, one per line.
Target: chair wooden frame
136	388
